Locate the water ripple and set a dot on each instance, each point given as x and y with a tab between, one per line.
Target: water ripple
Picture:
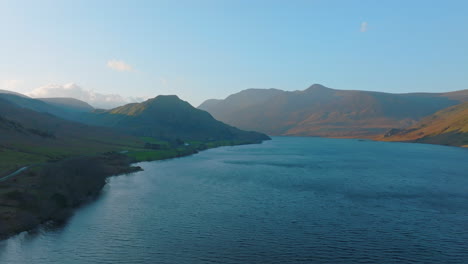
292	200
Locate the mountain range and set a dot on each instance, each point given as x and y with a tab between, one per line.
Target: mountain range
65	149
40	130
326	112
315	111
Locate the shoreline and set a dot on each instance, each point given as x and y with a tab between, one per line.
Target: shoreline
34	195
52	191
416	141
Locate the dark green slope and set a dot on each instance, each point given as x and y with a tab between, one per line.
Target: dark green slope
28	137
170	118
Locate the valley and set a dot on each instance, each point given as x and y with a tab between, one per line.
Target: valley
319	111
61	151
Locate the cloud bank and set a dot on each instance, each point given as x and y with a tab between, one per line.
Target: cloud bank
119	65
73	90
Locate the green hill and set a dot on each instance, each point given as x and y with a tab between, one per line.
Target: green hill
169	118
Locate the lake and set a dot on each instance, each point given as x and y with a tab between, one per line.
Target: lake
289	200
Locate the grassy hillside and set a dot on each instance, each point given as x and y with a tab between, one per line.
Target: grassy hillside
447	127
29	137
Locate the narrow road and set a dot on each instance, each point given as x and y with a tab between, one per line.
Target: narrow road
14	173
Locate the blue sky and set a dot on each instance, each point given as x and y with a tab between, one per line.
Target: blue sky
209	49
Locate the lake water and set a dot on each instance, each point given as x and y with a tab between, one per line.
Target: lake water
289	200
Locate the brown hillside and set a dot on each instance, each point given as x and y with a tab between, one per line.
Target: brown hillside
448	127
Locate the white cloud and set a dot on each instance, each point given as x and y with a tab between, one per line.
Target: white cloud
364	27
73	90
11	85
119	65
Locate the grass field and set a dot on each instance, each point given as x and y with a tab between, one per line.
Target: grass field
170	151
15	156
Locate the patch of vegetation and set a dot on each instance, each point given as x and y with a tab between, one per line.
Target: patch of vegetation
154	141
179	149
60	200
152	155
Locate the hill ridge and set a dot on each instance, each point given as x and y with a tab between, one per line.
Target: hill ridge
323	111
168	117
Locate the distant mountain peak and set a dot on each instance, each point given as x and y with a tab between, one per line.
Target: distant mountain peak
157	105
165	98
166	101
260	90
317	87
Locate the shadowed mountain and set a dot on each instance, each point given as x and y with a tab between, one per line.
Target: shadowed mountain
321	111
168	117
447	127
242	100
210	103
70	104
66	108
